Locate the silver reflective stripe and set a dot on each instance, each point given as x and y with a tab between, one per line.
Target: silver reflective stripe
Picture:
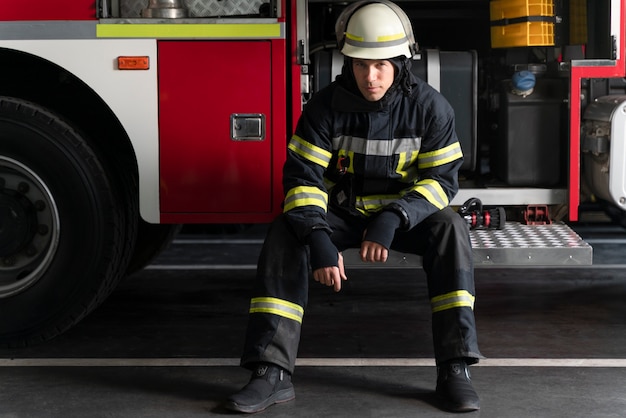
379	44
433	192
374	203
376	147
275	306
443	156
83	29
305	196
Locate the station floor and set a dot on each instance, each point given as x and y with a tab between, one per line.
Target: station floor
166	344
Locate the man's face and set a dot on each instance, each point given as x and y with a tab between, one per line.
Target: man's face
373	77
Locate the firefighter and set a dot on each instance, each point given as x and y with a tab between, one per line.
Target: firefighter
372	165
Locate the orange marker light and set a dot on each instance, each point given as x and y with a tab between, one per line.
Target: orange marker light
133	63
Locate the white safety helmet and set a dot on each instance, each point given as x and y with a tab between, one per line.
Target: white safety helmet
375	30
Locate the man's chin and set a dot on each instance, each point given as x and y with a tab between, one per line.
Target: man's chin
372	97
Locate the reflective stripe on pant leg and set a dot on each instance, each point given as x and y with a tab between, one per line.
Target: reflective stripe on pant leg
448	262
454	335
456	299
273	332
277	306
279	299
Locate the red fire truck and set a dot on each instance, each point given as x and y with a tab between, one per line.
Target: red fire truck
122	119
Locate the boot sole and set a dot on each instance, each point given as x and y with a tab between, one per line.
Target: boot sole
466	407
281	396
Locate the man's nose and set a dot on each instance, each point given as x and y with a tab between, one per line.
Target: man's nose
371	74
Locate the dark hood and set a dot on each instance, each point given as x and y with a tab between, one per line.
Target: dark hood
348	98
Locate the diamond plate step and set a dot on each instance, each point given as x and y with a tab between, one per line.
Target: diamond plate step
516	245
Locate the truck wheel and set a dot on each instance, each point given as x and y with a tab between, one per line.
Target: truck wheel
152	240
62	226
616	214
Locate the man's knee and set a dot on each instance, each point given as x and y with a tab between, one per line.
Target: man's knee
449	219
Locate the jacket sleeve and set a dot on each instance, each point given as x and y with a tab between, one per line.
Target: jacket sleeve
438	162
308	155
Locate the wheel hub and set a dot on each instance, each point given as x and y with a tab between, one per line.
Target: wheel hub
18	221
29	227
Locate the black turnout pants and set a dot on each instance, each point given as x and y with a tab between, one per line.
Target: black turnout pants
280	294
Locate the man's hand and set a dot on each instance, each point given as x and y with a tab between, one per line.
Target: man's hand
373	252
331	276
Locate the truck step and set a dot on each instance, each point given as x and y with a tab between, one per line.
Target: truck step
517	245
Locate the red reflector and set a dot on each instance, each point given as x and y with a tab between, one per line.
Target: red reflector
133	63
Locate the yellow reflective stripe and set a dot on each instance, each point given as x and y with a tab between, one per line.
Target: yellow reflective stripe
354	37
440	156
305	196
374	203
433	192
385	38
309	151
191	30
405	166
456	299
275	306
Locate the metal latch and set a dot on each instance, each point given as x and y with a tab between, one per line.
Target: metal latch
247	127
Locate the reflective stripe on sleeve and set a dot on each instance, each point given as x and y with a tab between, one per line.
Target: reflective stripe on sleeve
309	151
456	299
440	156
275	306
433	192
305	196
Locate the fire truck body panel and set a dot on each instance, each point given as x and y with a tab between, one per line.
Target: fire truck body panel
94	62
205	150
46	10
590	69
229	144
604	124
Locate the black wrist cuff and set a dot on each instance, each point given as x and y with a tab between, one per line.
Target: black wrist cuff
383	228
323	252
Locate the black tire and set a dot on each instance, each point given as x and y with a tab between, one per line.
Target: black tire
152	240
616	214
68	226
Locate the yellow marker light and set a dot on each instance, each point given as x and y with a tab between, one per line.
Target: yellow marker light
133	63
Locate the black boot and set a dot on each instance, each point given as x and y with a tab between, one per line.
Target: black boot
268	385
454	387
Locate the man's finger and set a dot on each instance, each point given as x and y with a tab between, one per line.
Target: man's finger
342	270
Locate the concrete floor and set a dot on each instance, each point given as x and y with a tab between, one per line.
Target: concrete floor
166	344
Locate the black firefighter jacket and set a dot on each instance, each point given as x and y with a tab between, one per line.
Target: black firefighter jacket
358	157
